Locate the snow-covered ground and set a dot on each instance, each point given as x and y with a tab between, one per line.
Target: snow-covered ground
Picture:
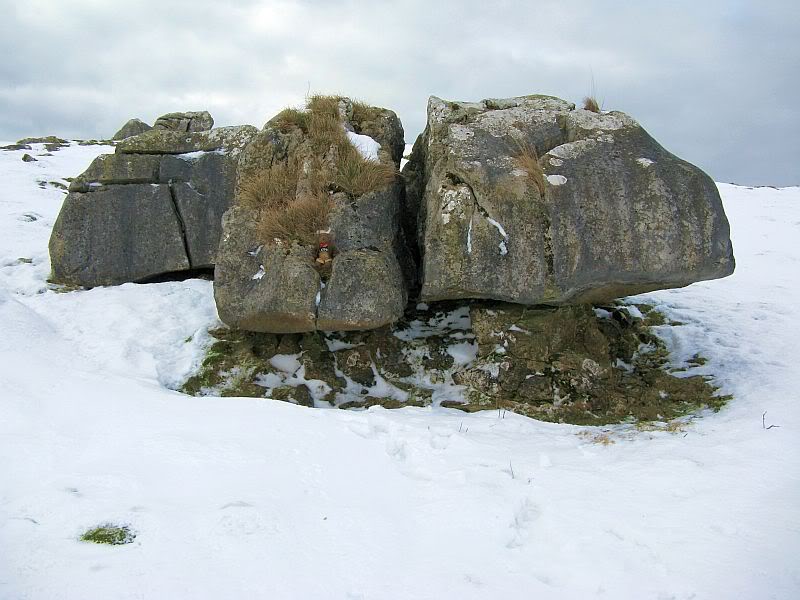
243	498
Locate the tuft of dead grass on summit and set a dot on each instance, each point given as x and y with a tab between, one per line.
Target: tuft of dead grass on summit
290	118
590	103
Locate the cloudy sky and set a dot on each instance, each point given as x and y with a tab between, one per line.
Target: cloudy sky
716	82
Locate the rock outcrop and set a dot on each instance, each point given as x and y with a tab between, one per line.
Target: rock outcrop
131	128
185	121
153	207
532	201
276	285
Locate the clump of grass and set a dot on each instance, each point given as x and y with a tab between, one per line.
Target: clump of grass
297	221
289	211
527	159
290	118
590	103
272	188
363	112
108	533
357	176
321	105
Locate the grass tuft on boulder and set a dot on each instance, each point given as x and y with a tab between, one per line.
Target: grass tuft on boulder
290	118
294	197
298	221
357	176
528	160
590	103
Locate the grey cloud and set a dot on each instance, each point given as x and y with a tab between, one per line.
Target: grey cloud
714	81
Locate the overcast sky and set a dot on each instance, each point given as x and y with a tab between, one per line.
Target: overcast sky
716	82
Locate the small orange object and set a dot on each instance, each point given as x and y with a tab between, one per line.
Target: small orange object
324	253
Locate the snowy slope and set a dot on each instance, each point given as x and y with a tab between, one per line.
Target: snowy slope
242	498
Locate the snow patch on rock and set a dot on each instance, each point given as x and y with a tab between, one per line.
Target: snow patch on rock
366	146
503	245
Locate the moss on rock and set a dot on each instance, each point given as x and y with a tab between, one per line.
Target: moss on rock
572	364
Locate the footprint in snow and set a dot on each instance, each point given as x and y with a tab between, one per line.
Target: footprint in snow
524	517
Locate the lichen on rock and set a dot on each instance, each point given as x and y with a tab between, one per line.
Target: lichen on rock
588	220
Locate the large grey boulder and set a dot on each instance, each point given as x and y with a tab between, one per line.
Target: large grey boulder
115	234
185	121
530	200
147	209
274	286
131	128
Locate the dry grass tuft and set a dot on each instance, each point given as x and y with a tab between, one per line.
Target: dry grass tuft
290	118
289	211
602	438
363	112
591	103
272	188
357	176
528	160
297	221
324	105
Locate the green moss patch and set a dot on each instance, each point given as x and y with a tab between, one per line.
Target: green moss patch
108	533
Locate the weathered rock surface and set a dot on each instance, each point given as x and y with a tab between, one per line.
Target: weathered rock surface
260	289
131	128
185	121
148	209
121	232
604	211
261	286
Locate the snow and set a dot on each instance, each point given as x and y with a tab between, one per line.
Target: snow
247	498
288	363
503	244
556	179
193	156
259	274
463	353
334	344
645	162
406	155
367	146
